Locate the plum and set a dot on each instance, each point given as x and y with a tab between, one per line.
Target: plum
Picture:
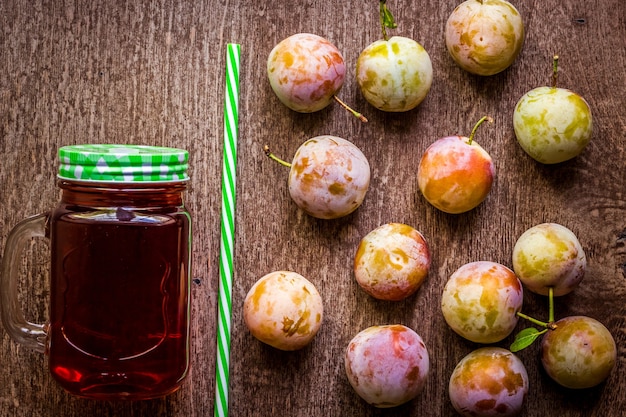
394	74
305	72
552	125
549	255
579	353
387	365
284	310
489	381
328	178
484	37
392	261
455	174
481	300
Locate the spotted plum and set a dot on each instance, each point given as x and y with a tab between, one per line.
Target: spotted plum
552	124
284	310
484	37
549	255
328	177
306	71
392	262
481	300
387	365
394	75
489	381
579	352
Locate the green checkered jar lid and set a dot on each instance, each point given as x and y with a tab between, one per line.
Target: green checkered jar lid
123	163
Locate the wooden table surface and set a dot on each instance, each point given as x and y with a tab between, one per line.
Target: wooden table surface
152	72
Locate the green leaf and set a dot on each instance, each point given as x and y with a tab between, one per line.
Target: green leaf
387	17
525	338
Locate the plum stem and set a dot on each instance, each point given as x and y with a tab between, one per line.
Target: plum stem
354	112
533	320
555	70
471	136
270	155
551	323
551	304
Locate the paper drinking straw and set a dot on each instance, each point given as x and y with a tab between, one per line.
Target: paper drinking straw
227	225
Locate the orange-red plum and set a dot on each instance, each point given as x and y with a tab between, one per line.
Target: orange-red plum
455	174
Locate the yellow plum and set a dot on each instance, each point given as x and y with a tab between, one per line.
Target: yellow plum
284	310
480	301
484	36
392	261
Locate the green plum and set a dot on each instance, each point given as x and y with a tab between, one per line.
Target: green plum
552	124
549	255
394	74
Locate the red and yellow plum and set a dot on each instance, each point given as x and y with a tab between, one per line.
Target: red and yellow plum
284	310
549	255
579	353
481	300
484	37
455	174
392	261
329	177
387	365
305	71
489	381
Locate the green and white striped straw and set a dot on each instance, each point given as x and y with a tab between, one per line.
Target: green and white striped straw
231	130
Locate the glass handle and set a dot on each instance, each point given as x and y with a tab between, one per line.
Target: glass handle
28	334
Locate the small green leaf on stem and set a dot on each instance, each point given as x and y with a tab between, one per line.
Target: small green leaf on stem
525	338
386	19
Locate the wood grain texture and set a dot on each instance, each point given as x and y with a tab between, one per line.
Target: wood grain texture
152	72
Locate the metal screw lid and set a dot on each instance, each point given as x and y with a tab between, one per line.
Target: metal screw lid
122	163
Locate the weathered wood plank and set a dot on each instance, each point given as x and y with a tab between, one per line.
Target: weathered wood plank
152	73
